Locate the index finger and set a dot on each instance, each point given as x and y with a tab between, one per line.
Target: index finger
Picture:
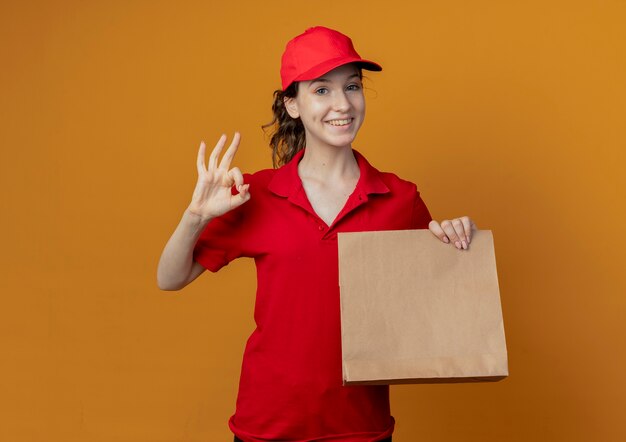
215	153
230	152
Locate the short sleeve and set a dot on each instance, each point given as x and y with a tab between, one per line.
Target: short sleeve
420	218
223	238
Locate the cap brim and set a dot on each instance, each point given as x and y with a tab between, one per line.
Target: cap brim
329	65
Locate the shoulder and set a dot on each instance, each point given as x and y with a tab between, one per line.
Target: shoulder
259	179
393	182
260	182
260	176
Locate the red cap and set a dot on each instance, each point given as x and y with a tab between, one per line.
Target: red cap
317	51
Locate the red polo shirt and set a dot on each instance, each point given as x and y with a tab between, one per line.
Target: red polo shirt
291	381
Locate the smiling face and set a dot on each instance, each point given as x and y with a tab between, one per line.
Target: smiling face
331	107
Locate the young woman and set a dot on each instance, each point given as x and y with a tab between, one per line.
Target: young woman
287	219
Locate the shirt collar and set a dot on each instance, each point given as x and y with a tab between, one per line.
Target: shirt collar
287	182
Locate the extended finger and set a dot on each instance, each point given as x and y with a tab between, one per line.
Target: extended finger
230	152
215	153
200	161
436	229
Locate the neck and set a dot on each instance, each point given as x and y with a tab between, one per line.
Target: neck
328	162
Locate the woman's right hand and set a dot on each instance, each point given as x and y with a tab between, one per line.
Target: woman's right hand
212	196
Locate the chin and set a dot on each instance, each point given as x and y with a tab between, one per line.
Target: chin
341	140
340	144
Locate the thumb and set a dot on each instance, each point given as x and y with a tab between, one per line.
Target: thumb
242	196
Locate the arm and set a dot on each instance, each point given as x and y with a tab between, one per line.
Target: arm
176	266
211	198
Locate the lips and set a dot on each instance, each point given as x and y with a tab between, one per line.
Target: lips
340	122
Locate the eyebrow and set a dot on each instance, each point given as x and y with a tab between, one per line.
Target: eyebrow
325	80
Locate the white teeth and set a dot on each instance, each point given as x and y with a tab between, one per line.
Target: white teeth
339	122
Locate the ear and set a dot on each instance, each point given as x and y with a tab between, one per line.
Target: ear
292	107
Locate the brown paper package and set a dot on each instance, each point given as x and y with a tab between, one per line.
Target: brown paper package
417	310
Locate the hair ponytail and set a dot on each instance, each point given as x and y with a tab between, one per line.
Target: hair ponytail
288	135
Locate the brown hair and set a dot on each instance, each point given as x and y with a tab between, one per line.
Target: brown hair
288	135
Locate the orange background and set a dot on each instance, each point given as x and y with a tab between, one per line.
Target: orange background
509	112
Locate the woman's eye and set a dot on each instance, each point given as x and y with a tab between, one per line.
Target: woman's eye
354	87
321	91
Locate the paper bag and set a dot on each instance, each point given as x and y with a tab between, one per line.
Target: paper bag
417	310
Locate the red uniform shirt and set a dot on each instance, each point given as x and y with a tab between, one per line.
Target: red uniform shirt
291	381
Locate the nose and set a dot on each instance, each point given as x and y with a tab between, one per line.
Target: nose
341	102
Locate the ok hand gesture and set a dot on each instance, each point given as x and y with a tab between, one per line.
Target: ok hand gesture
212	196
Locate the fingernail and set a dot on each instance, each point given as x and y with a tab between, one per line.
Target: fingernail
464	245
457	244
446	240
